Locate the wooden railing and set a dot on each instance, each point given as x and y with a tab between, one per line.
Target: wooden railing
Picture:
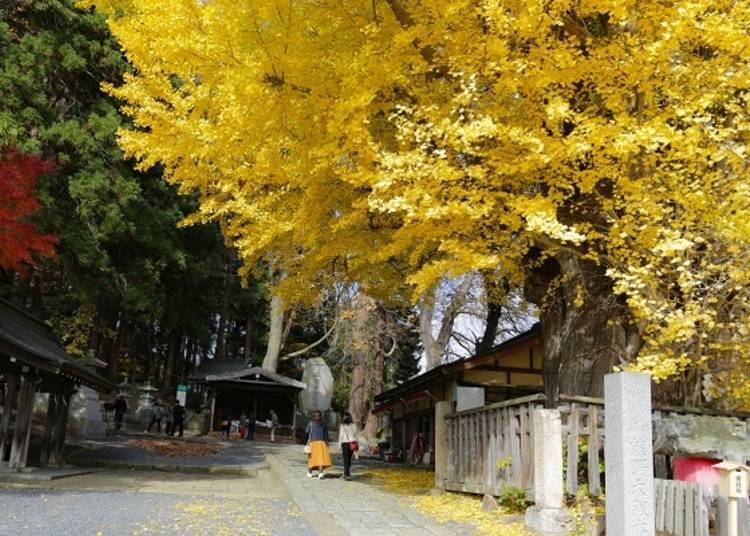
490	448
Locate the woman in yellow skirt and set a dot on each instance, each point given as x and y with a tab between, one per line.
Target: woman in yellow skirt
317	441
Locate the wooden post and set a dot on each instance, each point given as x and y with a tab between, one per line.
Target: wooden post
49	426
442	409
403	433
60	428
572	474
213	410
593	452
11	393
20	448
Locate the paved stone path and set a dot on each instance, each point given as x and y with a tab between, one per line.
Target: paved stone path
281	501
27	512
336	507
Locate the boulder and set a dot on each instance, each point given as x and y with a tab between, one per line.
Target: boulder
319	391
489	503
85	414
704	436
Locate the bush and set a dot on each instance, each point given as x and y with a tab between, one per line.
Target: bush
514	499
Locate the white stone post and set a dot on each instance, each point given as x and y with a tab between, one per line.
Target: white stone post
547	516
628	455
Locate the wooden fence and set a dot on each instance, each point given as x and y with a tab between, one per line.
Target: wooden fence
583	436
682	509
490	448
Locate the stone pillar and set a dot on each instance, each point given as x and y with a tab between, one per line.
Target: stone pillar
442	409
628	454
548	516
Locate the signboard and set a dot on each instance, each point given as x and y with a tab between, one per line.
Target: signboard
469	398
182	394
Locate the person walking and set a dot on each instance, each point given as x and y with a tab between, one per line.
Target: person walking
227	423
168	420
178	416
250	427
274	425
243	425
317	445
349	445
157	414
121	406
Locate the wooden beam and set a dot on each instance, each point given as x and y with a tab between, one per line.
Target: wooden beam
502	368
48	428
60	427
21	434
11	393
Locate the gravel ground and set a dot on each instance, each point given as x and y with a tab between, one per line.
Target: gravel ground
115	449
54	513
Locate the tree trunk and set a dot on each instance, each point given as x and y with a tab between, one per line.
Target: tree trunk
221	332
361	338
173	350
490	328
582	341
248	350
435	348
275	335
113	344
377	372
433	352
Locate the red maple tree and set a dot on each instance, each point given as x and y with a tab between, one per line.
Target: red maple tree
20	239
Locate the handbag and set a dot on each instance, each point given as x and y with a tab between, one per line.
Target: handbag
353	446
308	449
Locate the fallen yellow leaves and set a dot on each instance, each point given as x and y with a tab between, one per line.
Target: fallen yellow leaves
414	485
174	448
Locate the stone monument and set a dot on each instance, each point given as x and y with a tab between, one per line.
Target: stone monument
319	391
628	451
548	516
85	414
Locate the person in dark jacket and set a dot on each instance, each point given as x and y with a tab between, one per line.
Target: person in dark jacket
250	427
120	408
157	414
178	418
227	425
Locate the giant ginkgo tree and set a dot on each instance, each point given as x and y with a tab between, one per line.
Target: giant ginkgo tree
594	152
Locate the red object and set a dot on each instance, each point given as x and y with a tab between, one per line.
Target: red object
20	240
354	446
697	470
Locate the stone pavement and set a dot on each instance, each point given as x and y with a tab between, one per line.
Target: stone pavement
33	512
264	485
335	507
281	501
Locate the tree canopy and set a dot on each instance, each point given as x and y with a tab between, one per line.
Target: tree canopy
593	152
20	240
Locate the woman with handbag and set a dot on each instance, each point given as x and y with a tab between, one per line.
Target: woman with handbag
349	445
318	455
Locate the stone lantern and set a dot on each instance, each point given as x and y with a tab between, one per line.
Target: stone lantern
146	404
